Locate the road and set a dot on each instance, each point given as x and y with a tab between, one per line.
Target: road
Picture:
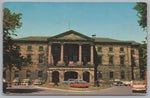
35	90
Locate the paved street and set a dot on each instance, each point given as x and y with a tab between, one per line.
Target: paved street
35	90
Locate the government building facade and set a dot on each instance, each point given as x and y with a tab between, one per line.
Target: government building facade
72	55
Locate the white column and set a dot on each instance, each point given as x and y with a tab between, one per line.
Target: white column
49	54
62	54
92	55
80	54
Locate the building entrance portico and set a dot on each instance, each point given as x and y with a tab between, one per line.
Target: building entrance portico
64	73
74	53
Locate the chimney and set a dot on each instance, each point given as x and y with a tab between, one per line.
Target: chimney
94	36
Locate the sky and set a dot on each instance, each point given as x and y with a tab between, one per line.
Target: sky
109	20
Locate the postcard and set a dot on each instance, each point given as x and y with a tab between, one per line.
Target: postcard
75	48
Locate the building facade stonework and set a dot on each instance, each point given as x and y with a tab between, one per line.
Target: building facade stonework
72	55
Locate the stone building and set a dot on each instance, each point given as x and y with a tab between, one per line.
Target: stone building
74	55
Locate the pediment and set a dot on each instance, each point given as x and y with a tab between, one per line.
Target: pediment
70	35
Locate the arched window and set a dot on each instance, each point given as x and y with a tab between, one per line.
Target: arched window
55	76
86	76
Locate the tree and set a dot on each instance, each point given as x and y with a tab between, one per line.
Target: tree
141	8
11	56
143	59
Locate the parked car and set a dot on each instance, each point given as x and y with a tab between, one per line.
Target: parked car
16	81
68	81
7	82
37	82
26	82
138	86
4	85
126	82
79	84
117	82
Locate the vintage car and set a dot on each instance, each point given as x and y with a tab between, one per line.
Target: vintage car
117	82
68	81
4	85
138	86
79	84
7	82
37	82
126	82
26	82
16	81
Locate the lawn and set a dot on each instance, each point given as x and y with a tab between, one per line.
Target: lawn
67	87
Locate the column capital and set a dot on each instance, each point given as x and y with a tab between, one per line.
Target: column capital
62	43
80	44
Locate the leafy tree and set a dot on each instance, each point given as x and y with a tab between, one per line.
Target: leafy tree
143	58
141	8
11	56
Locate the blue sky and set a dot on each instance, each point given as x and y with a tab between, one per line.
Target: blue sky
110	20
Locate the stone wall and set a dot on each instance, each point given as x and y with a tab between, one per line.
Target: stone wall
116	67
105	67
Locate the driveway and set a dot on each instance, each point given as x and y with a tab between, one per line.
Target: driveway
35	90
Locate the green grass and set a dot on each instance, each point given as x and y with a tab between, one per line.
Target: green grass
67	87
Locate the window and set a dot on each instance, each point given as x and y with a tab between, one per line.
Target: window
122	75
29	48
121	49
100	59
133	61
40	58
110	49
99	49
111	75
132	51
41	48
28	74
121	59
111	59
18	47
40	74
29	58
100	75
16	74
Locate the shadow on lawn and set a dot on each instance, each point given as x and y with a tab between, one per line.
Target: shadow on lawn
23	90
